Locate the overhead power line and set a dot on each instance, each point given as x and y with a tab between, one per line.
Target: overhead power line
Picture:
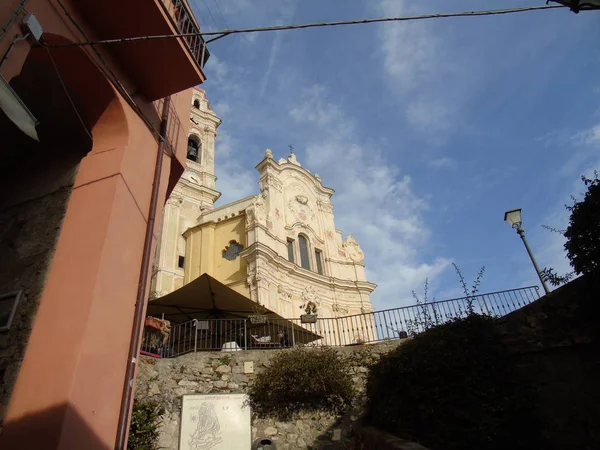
223	33
221	13
210	13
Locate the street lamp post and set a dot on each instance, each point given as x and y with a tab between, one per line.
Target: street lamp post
513	217
578	5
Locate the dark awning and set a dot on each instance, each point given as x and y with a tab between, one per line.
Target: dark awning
206	298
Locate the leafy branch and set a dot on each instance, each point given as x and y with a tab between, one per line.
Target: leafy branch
469	295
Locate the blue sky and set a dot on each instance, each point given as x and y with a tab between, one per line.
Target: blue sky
428	131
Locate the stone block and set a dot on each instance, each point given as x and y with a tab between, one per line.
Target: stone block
270	431
187	383
337	435
154	389
223	369
239	378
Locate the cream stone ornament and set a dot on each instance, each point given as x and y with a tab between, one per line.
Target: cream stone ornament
339	308
256	213
300	208
310	300
354	251
284	294
268	154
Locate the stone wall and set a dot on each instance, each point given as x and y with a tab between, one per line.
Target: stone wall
28	234
167	380
555	343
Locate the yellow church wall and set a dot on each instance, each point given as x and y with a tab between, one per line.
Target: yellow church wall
205	245
230	230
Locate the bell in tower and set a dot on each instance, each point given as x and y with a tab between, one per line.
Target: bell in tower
192	150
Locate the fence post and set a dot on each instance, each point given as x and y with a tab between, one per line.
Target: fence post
486	306
195	322
387	330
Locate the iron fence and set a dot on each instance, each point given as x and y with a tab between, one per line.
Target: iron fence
390	324
180	12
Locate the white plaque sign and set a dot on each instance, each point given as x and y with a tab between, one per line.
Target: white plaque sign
215	422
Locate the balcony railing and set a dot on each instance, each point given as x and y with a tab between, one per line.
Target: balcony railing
390	324
183	18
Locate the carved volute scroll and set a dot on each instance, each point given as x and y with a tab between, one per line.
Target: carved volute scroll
354	251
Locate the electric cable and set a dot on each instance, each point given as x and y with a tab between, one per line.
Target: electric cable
64	86
222	33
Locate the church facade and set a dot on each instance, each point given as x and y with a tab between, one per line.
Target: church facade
279	248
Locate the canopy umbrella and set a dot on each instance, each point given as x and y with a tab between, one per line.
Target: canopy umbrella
206	298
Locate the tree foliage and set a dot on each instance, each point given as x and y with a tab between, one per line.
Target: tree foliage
143	431
453	387
582	235
583	232
302	380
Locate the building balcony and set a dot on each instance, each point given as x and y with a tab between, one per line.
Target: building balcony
157	67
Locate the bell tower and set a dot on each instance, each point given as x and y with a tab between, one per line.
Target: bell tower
194	194
199	176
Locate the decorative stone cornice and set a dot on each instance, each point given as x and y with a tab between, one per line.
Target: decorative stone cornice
259	250
195	192
269	164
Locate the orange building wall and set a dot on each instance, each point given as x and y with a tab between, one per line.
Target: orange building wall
70	383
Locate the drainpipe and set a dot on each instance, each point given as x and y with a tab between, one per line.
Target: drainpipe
134	346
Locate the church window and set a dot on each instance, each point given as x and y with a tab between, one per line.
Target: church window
319	260
193	151
304	255
232	251
197	104
181	262
290	249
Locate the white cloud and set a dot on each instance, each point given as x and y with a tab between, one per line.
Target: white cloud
590	136
288	13
424	70
374	201
428	115
234	180
410	51
442	163
272	57
221	108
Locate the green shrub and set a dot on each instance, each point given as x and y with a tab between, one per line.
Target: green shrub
143	431
453	387
302	380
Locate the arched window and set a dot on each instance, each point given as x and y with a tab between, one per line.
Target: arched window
193	151
304	254
232	251
197	104
319	261
290	249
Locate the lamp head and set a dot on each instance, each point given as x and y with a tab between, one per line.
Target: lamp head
513	217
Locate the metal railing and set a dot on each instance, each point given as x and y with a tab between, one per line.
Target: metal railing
390	324
181	14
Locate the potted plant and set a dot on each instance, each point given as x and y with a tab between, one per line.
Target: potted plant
259	314
310	313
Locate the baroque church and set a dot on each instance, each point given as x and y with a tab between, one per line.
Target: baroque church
279	248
